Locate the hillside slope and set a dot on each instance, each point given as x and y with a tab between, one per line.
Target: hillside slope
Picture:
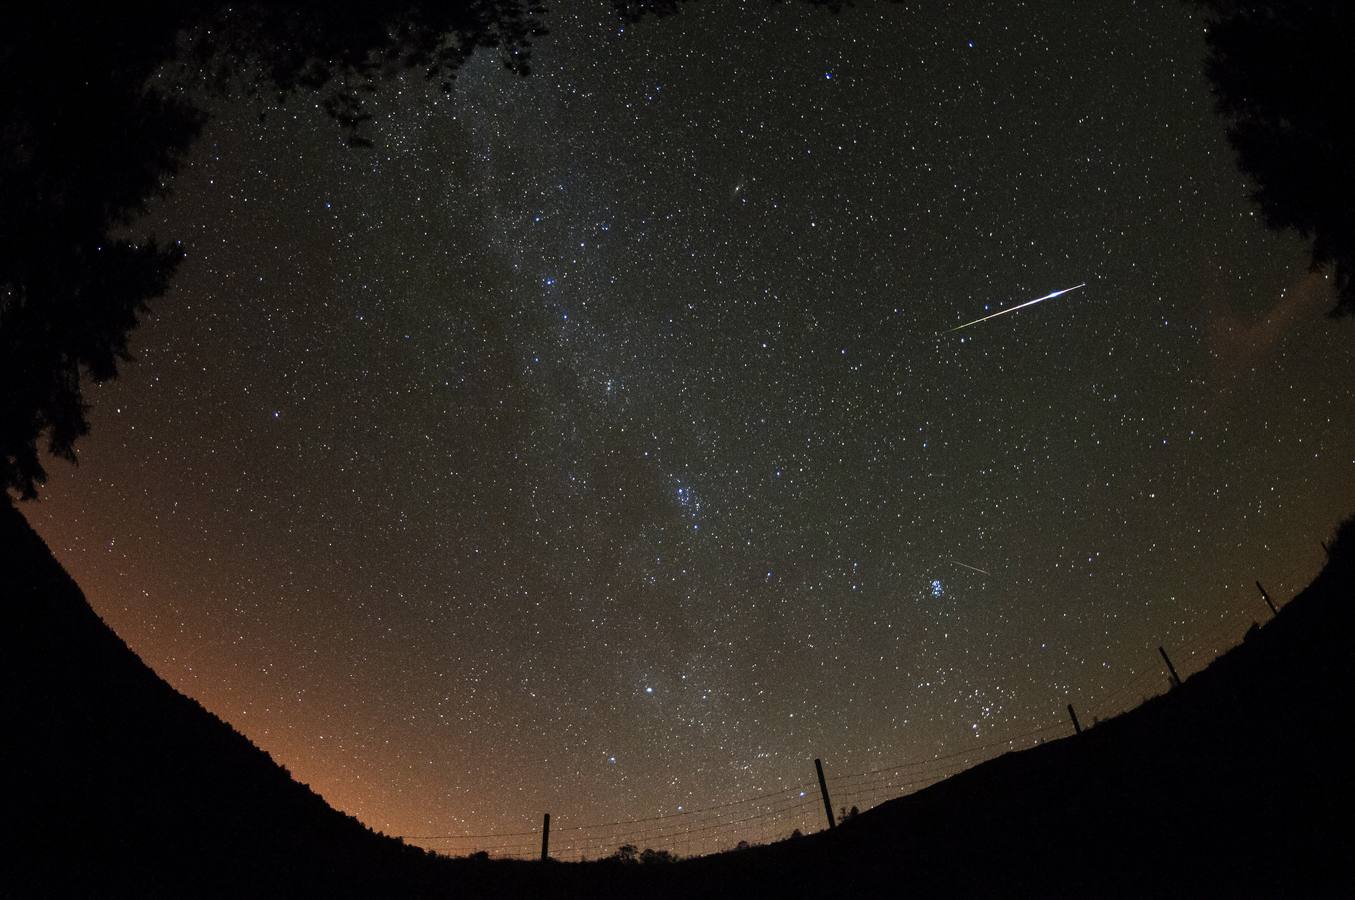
118	785
1238	783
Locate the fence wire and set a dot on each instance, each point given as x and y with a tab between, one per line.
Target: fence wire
774	815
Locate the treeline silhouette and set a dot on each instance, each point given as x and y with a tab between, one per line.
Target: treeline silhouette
1282	77
120	786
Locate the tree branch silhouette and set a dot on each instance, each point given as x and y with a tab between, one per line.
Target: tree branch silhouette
1282	78
100	125
106	112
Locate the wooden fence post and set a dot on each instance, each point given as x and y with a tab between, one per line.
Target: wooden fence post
823	789
545	838
1077	727
1171	669
1266	597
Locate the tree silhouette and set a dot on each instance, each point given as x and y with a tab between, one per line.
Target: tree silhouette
1281	75
105	115
97	118
343	50
1340	566
652	857
84	145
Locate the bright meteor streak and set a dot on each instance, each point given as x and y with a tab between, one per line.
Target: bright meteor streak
972	568
1003	312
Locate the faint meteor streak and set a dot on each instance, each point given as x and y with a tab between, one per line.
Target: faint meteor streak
974	568
1003	312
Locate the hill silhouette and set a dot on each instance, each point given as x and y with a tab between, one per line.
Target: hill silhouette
1237	783
117	785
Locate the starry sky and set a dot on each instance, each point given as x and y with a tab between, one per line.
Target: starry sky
594	441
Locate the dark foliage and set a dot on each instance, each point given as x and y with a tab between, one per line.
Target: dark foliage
103	116
629	854
97	114
1340	569
635	10
342	51
1281	73
84	145
657	857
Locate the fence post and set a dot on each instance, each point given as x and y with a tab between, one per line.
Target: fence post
823	789
1266	597
1171	669
545	838
1077	728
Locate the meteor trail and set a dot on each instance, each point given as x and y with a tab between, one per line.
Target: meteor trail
1003	312
973	568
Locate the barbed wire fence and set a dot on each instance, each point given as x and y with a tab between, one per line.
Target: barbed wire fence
778	814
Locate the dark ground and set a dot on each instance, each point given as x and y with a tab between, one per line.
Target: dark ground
1236	784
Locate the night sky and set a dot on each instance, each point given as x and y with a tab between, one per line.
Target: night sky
593	442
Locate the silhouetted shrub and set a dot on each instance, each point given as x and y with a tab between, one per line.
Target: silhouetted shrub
1341	555
651	857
